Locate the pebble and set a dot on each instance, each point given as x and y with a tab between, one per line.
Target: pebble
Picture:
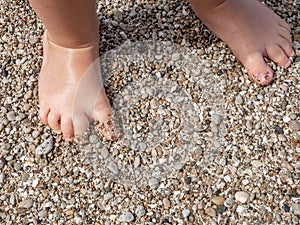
140	211
296	208
153	183
295	125
93	139
286	119
240	209
229	202
154	104
218	200
242	196
26	204
42	214
11	116
45	147
239	100
137	162
211	212
112	166
127	217
186	213
166	203
2	178
104	152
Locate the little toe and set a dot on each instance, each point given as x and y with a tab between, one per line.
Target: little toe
54	121
278	55
258	69
284	24
43	115
286	35
67	128
81	124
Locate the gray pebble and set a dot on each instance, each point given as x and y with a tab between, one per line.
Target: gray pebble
11	116
108	196
112	166
295	125
20	116
296	208
26	204
140	211
17	167
228	202
93	139
126	217
153	183
137	162
186	213
176	56
42	214
45	147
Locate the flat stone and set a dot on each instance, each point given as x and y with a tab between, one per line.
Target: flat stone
140	211
166	203
211	212
45	147
26	204
218	200
296	208
127	217
186	212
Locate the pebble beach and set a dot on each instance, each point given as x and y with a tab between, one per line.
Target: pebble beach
199	142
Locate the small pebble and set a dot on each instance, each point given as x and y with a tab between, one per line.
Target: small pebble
242	196
127	217
140	211
186	213
26	204
218	200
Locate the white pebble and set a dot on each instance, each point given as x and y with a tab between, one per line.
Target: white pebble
242	196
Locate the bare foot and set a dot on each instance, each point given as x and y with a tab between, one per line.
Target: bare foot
252	31
71	91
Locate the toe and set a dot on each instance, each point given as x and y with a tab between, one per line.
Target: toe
258	69
54	121
285	34
277	54
81	124
286	47
67	128
283	24
43	114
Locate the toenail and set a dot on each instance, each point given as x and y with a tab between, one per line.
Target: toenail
288	63
57	131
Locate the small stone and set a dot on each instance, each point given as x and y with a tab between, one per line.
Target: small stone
45	147
17	167
211	212
140	211
176	56
42	214
2	178
286	208
153	183
70	212
296	208
137	162
108	196
123	35
93	139
26	204
104	152
286	119
186	213
221	209
20	116
282	137
295	125
239	100
240	209
127	217
166	203
112	166
242	196
11	116
218	200
154	104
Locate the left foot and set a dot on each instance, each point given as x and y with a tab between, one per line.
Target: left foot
252	32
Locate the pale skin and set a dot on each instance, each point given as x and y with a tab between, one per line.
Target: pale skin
70	92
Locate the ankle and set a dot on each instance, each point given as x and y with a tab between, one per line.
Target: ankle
203	6
73	42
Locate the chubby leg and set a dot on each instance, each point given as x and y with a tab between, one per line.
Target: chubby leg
71	92
251	30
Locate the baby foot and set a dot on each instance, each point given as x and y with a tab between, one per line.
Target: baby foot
252	31
71	91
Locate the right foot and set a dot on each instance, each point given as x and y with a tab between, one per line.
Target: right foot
71	91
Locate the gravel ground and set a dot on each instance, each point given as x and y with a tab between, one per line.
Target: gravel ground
199	142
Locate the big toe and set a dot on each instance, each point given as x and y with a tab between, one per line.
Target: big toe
67	128
258	69
81	123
